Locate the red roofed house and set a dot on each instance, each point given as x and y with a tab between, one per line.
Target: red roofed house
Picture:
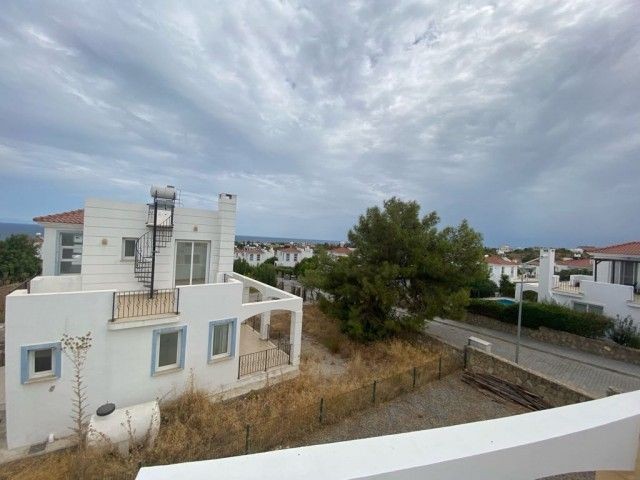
613	289
499	266
340	252
154	284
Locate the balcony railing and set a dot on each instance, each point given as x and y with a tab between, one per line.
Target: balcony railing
567	287
139	303
264	360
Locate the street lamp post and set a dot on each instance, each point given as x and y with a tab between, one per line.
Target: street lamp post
519	318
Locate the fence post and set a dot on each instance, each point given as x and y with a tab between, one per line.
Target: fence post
321	409
373	394
266	359
246	440
440	368
414	377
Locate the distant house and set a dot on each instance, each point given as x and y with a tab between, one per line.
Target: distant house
254	256
574	264
499	266
340	252
291	255
613	289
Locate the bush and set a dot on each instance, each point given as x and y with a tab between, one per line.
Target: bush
565	275
549	315
530	296
624	332
483	288
507	289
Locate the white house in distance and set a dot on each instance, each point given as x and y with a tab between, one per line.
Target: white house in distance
254	256
291	255
612	289
499	266
154	285
340	252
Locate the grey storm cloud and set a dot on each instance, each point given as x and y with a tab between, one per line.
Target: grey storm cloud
521	116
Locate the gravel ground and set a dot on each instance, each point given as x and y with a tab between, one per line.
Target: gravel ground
439	404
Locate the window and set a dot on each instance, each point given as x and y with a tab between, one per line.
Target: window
288	257
128	248
168	349
69	253
191	263
40	362
588	307
295	257
258	257
251	257
222	338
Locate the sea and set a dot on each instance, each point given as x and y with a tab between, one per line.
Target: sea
7	229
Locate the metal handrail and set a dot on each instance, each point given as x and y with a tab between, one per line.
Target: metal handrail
264	360
138	303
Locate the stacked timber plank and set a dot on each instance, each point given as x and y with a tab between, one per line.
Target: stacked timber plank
505	390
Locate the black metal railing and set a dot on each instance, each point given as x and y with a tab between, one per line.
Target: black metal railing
138	303
264	360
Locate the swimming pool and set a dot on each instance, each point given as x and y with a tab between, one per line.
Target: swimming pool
505	301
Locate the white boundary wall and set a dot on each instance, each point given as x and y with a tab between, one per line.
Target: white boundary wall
590	436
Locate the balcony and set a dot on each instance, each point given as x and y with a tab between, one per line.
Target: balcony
567	287
137	304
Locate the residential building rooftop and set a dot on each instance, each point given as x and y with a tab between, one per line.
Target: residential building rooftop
629	248
72	216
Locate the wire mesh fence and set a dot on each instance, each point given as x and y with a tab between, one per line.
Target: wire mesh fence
282	430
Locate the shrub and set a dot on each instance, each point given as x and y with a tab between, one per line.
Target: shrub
483	288
549	315
530	296
624	332
507	289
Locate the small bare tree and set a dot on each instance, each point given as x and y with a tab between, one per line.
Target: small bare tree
76	349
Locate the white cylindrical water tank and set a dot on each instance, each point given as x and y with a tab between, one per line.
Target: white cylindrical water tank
138	423
168	192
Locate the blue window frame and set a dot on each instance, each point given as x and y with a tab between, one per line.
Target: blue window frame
168	349
222	339
42	361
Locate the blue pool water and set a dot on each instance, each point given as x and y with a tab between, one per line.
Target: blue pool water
505	301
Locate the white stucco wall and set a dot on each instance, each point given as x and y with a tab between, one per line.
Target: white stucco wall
496	272
119	361
56	283
49	249
598	435
302	254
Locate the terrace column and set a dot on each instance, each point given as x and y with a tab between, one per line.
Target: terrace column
295	335
546	280
245	294
265	321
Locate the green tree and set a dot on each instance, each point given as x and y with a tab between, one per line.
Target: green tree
506	288
18	259
271	260
265	273
402	272
309	263
242	267
483	288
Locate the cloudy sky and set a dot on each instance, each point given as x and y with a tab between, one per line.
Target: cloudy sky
521	116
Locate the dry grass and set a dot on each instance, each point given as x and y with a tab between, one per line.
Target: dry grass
197	425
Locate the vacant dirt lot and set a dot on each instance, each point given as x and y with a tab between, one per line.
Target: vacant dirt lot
439	404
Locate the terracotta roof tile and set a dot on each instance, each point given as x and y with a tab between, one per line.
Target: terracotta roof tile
575	263
290	250
496	260
629	248
73	216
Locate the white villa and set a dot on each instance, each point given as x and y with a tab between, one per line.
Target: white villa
254	256
154	285
291	255
499	266
612	290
